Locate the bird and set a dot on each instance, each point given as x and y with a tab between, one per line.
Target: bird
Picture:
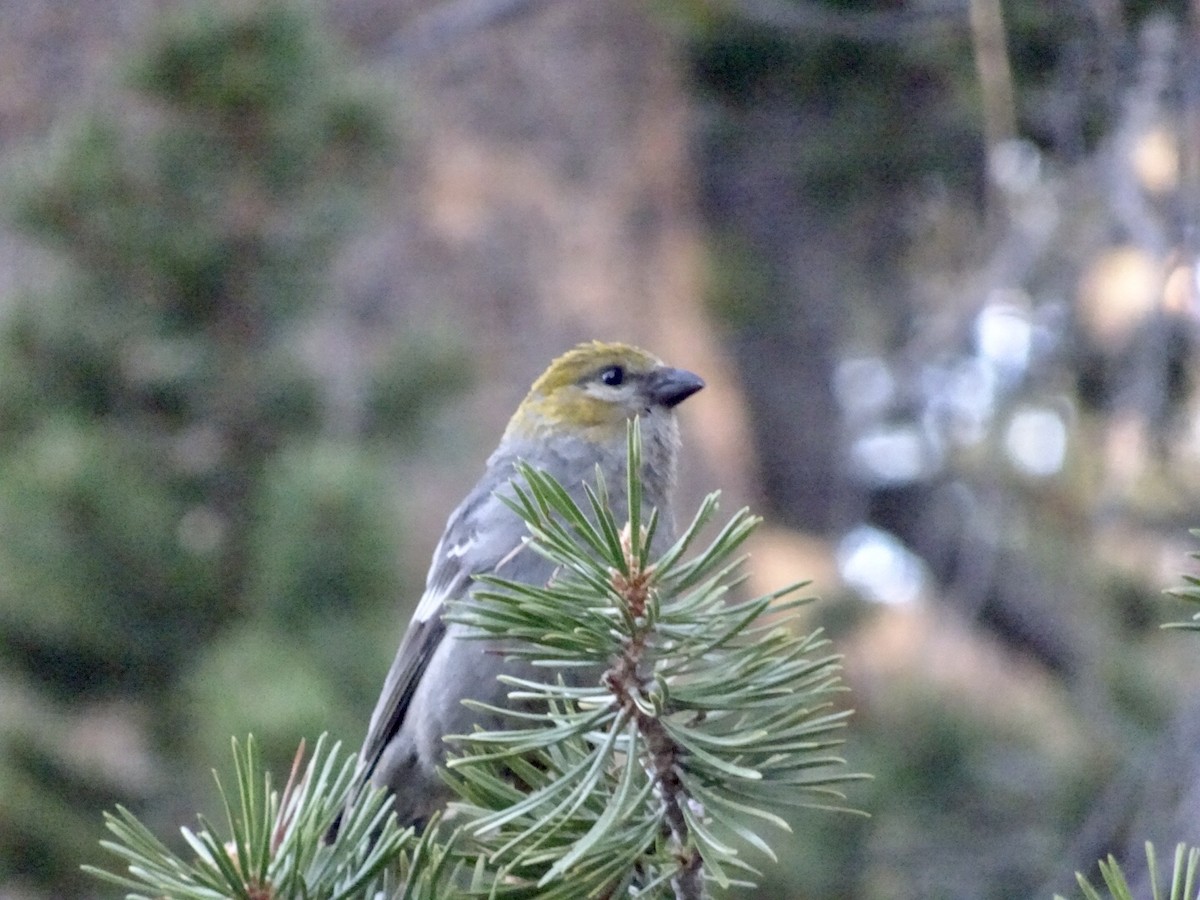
571	424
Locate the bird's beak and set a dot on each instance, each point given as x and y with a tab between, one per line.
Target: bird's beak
670	387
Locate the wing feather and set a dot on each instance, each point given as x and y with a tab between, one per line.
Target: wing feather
474	541
420	643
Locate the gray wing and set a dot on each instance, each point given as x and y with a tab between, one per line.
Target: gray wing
418	646
481	533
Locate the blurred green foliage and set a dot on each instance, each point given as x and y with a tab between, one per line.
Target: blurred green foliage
180	532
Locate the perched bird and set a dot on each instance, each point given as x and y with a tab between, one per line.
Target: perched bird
572	420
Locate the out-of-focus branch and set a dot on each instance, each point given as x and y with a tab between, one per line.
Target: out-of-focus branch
814	19
451	20
995	78
1157	70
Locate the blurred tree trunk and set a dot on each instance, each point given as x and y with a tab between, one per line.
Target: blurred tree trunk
788	263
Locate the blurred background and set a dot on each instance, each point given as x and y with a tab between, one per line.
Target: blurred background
273	275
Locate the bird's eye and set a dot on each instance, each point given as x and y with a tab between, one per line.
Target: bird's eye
612	376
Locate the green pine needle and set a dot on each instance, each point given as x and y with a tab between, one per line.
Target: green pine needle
698	701
683	717
271	845
1185	875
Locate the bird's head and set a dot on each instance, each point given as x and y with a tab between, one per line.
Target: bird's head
592	390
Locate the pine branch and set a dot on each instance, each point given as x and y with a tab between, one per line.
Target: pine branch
1185	872
678	719
698	711
633	586
1185	877
1190	592
273	844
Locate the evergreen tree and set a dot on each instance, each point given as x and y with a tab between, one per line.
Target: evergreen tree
168	503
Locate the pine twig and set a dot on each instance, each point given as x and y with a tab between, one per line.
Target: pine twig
625	682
